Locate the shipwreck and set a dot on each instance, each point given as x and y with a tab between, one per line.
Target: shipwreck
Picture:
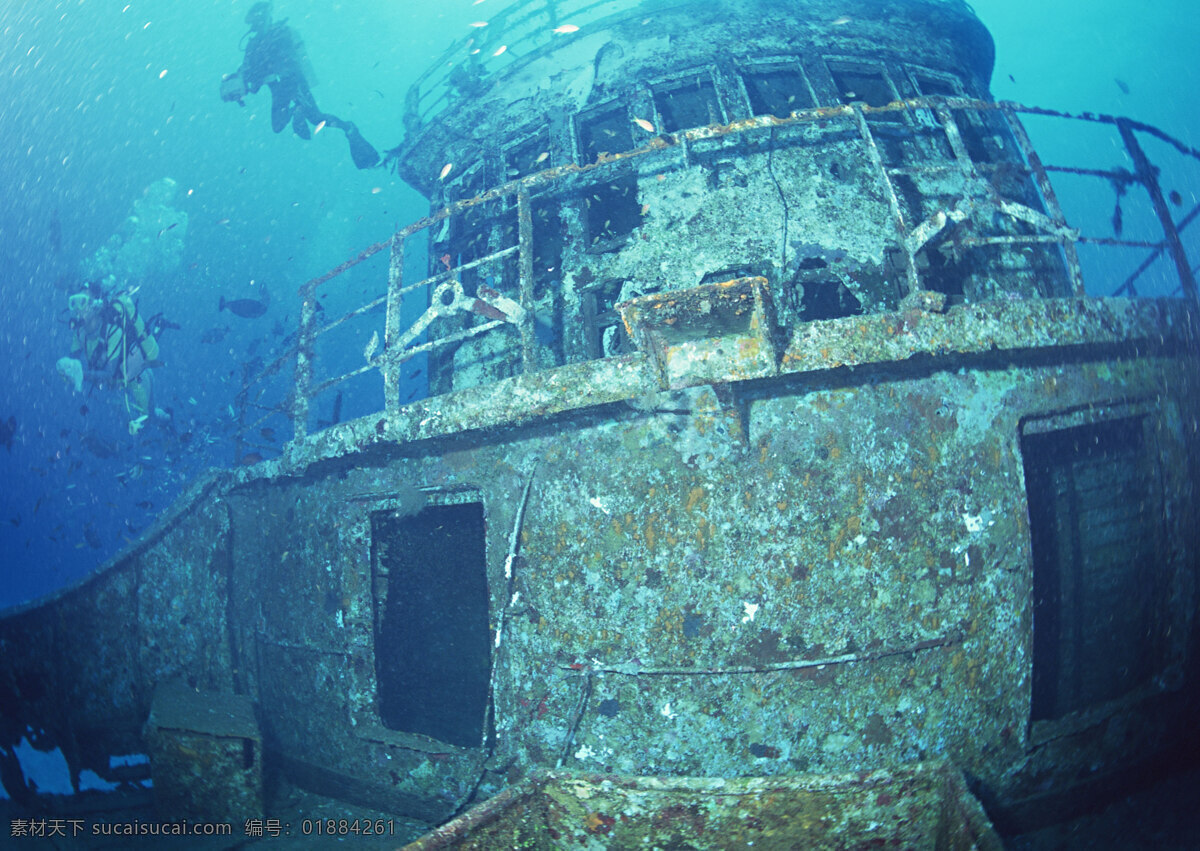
771	429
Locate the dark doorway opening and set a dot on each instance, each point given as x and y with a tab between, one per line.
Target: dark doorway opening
1095	517
432	645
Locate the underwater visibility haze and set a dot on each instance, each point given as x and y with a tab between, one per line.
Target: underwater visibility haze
150	186
103	101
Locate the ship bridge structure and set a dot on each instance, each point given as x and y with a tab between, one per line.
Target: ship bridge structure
776	421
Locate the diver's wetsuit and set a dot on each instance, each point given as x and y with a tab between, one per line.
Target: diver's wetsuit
273	57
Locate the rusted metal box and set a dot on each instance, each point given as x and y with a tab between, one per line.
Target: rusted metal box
924	806
709	329
205	755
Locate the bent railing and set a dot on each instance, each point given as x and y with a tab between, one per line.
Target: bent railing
488	309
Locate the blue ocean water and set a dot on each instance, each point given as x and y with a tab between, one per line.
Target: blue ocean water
100	99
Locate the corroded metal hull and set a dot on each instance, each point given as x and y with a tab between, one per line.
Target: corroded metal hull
828	462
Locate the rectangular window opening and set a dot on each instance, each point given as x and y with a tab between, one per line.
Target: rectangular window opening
688	104
778	90
1095	509
432	642
604	132
978	138
867	84
612	212
528	156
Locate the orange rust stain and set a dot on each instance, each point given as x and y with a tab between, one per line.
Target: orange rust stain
781	505
836	543
651	535
695	495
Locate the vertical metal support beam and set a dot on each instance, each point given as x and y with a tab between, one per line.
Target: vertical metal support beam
304	365
1145	173
241	401
525	272
1048	196
950	128
391	328
910	260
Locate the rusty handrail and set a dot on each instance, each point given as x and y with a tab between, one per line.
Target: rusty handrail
911	238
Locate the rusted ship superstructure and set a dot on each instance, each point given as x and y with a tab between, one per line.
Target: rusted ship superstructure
771	431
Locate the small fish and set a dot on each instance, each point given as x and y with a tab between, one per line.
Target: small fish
250	458
93	539
247	308
98	446
841	21
644	124
214	335
445	171
1175	197
145	504
1122	85
318	128
7	430
479	24
267	432
566	28
500	49
542	157
223	222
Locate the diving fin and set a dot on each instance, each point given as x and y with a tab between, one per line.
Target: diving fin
361	151
300	126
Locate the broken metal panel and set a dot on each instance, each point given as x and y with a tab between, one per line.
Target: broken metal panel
679	331
205	754
926	806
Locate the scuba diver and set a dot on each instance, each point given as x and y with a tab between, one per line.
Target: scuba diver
112	346
275	56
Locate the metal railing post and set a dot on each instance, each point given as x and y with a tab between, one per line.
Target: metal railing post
304	362
910	260
391	328
525	273
1145	173
1048	196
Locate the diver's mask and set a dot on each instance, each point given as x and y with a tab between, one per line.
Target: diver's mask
259	16
82	304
